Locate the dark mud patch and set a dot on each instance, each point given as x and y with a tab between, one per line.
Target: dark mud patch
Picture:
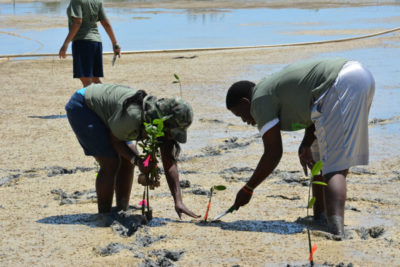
236	174
126	224
185	57
76	197
348	207
15	175
147	240
164	258
325	264
379	122
361	171
184	183
200	192
113	248
211	121
211	151
284	197
142	241
57	170
290	177
372	200
171	255
276	227
373	232
9	179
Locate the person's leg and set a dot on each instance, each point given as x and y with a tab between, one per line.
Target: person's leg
335	198
123	184
96	80
105	182
86	81
319	205
97	62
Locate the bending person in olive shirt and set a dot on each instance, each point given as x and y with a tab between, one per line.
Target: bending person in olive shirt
330	99
87	48
107	118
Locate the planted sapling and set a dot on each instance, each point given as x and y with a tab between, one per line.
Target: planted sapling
212	189
314	172
178	80
150	146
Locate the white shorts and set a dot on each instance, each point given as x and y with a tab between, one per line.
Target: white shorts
341	120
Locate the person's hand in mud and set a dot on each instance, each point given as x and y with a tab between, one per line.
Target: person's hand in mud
306	159
242	198
181	208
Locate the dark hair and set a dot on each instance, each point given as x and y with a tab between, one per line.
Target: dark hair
135	99
237	91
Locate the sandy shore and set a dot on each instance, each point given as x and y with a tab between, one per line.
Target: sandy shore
44	224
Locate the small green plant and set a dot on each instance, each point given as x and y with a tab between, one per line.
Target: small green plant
150	146
212	189
316	170
178	80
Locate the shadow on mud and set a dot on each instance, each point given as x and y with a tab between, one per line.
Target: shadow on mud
276	227
48	117
88	219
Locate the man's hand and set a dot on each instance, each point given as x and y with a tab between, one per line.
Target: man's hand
181	208
306	159
117	50
242	198
63	52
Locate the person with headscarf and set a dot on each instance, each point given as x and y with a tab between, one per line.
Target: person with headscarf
108	118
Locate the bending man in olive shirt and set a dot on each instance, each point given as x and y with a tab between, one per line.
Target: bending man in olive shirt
328	98
107	118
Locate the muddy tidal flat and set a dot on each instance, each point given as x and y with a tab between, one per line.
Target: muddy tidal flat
48	210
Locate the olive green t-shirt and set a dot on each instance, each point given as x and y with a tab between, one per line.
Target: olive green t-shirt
106	100
90	11
289	94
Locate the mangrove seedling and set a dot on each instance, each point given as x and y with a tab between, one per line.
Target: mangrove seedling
150	146
212	189
316	170
178	80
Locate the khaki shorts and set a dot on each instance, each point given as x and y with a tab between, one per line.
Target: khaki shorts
341	120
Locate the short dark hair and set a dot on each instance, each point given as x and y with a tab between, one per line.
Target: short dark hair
237	91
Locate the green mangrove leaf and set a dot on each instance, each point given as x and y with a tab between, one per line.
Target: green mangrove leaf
319	183
311	203
175	82
176	76
317	168
219	187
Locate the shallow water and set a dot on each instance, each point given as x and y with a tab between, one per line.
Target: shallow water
148	29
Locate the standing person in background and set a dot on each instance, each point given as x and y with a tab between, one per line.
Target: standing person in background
87	49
